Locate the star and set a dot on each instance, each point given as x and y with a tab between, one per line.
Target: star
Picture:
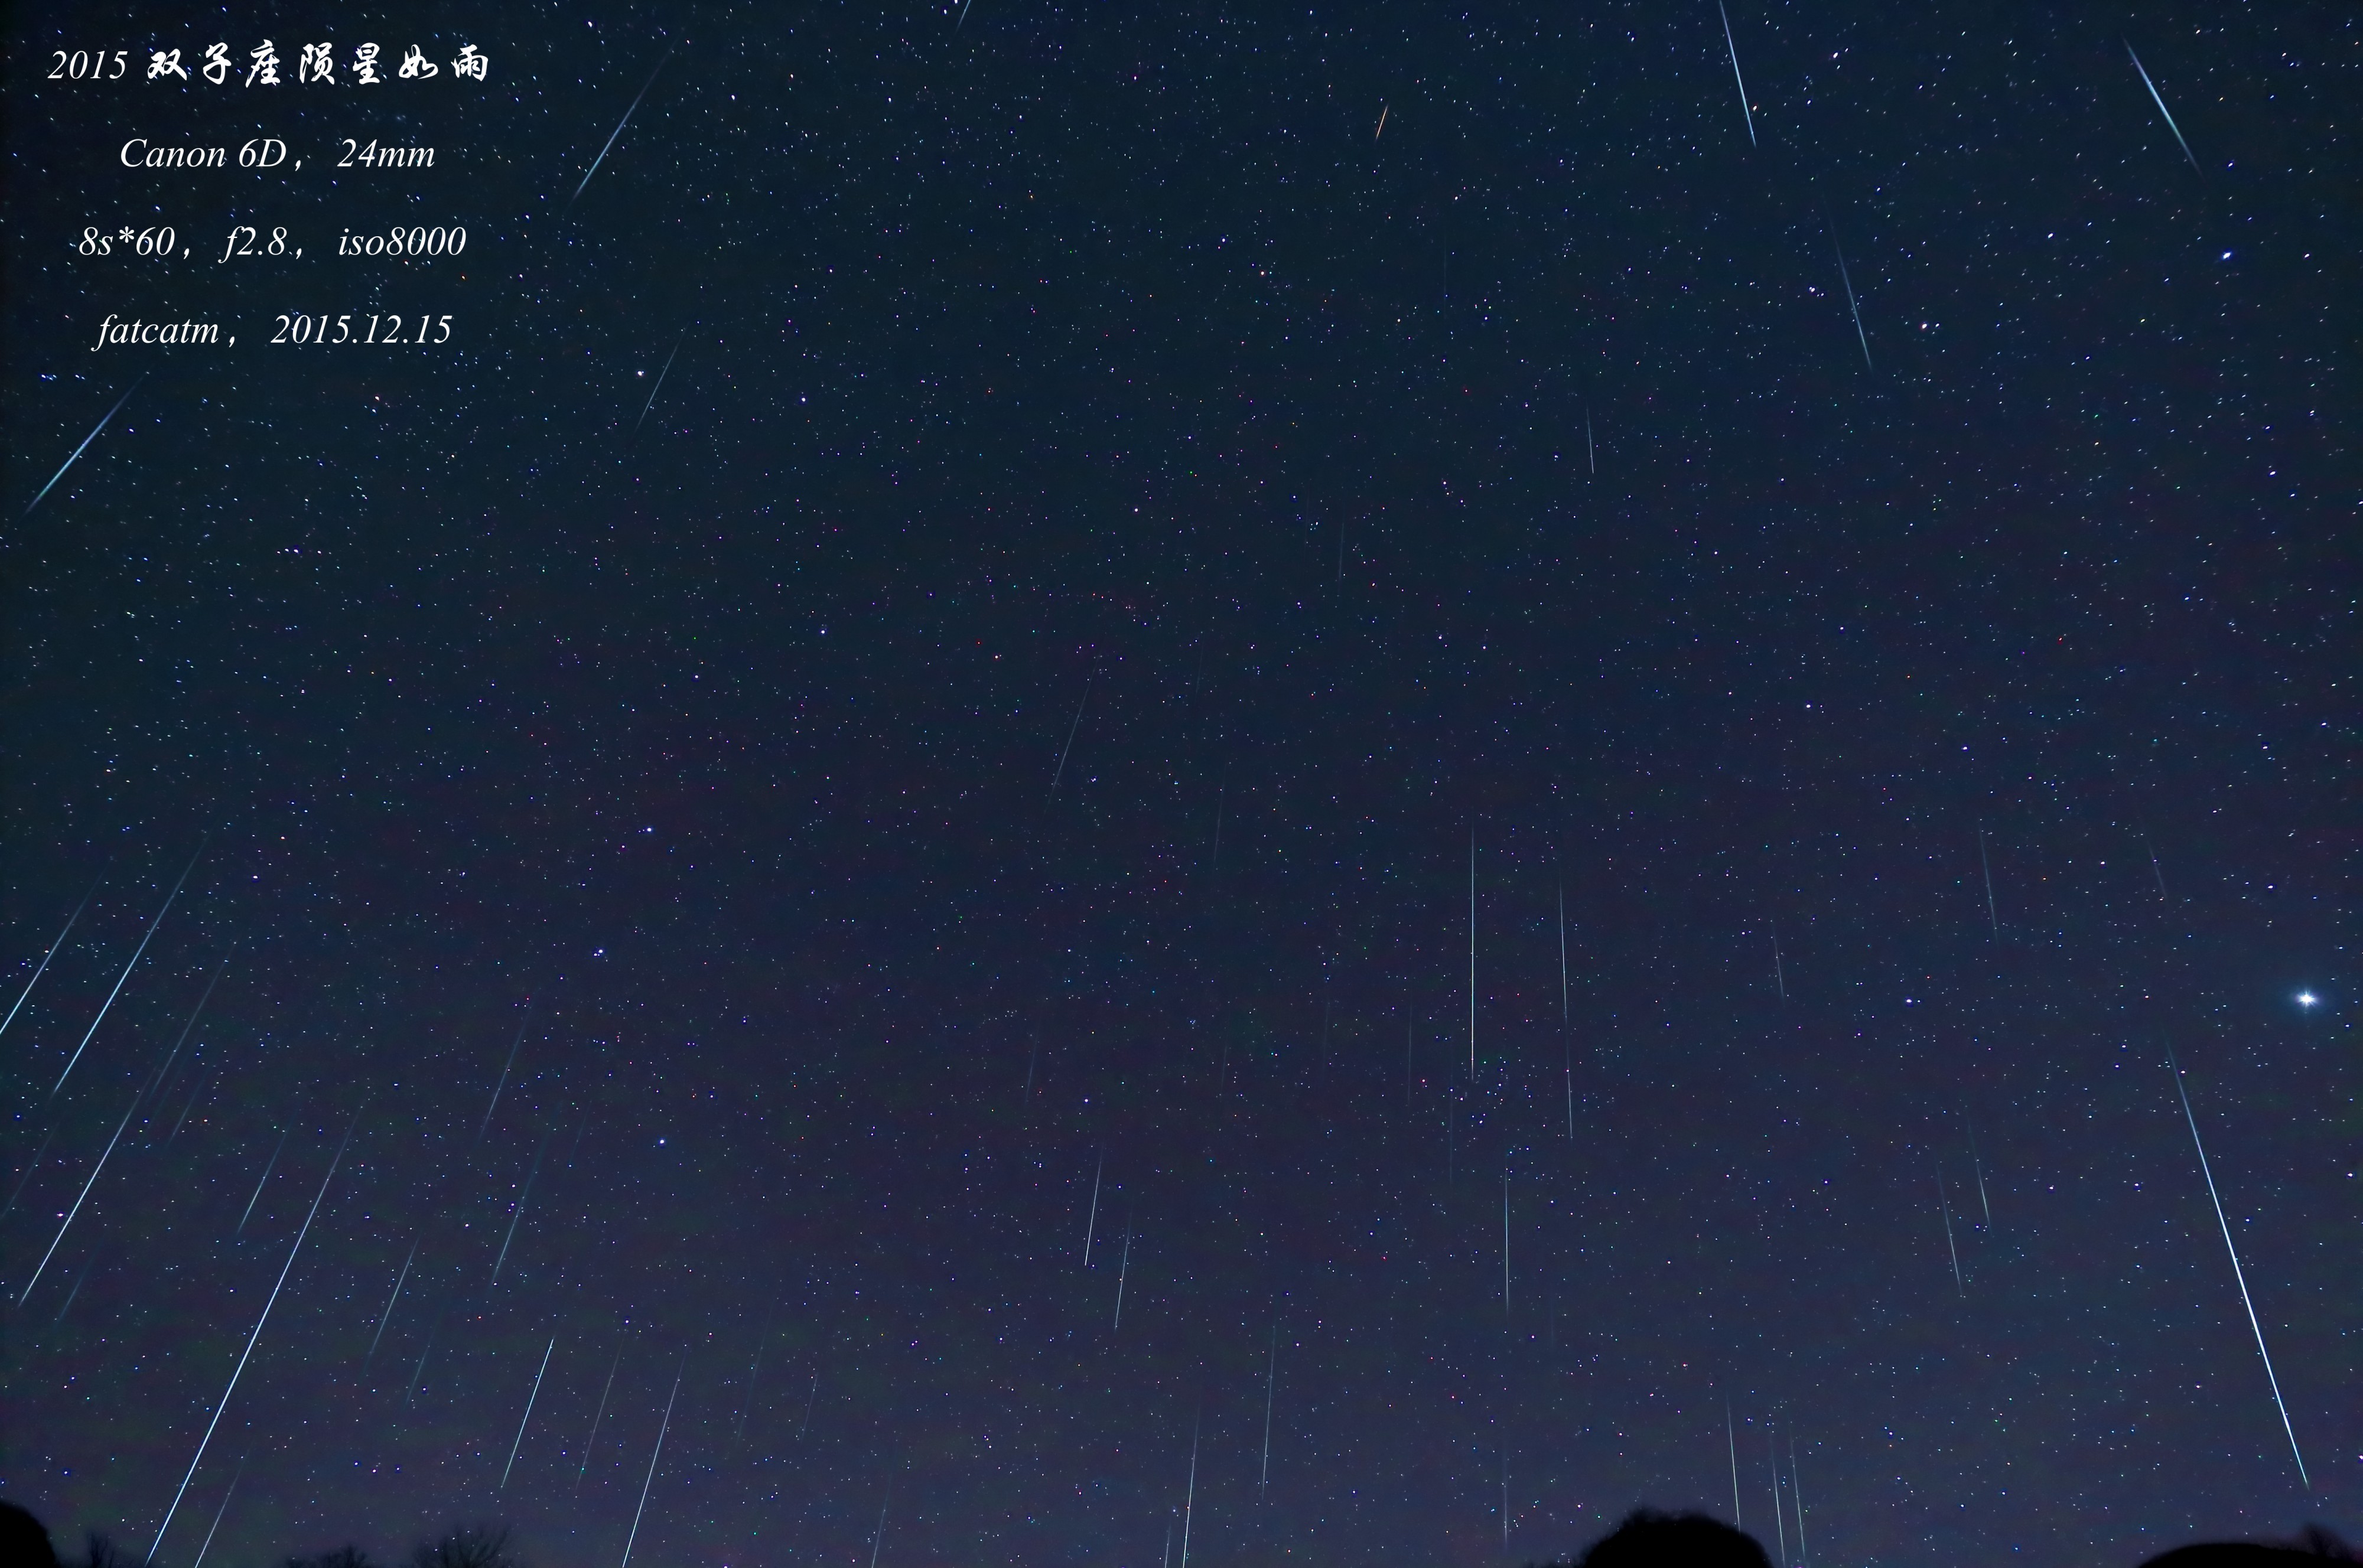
2307	999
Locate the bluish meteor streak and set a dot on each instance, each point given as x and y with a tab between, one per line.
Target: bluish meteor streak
1735	72
93	436
2162	108
619	128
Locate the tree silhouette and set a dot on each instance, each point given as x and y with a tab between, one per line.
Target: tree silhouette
480	1546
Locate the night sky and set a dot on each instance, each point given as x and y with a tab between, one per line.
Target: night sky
1304	774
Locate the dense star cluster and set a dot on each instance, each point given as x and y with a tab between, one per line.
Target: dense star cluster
1099	786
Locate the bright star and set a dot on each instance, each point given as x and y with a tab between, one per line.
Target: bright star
2306	999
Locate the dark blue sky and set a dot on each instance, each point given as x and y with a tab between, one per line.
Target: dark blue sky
748	858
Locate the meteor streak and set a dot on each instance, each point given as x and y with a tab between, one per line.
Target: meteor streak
529	1398
593	1442
128	967
268	1165
386	1315
1566	1019
200	1562
504	1082
68	1222
1945	1204
52	953
618	131
102	425
250	1339
2153	98
1731	1441
1993	921
650	1479
1123	1267
1853	308
1271	1382
658	388
1092	1225
1063	750
518	1213
2254	1326
1734	73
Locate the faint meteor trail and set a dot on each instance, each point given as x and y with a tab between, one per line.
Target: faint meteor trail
1780	970
244	1355
203	1090
1092	1226
1590	452
518	1213
128	967
52	953
593	1440
1735	72
268	1165
32	1166
529	1398
2254	1326
1780	1519
1945	1204
1123	1268
163	1074
200	1560
2163	110
1063	750
1853	308
1731	1440
387	1316
504	1082
658	388
619	128
1505	1244
1270	1383
93	435
1993	921
1382	123
1566	1019
1190	1497
650	1479
1797	1501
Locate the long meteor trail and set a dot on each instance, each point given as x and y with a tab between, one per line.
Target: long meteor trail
2162	108
2254	1326
649	1480
67	1223
1735	72
119	408
245	1354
